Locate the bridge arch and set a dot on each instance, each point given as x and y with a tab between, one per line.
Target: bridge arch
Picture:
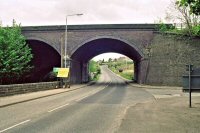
50	43
98	45
45	57
132	44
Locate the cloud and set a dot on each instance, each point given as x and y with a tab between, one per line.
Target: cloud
53	12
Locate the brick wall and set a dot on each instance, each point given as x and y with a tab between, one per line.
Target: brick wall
169	55
6	90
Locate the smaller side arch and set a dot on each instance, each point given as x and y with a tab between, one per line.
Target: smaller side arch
45	57
53	45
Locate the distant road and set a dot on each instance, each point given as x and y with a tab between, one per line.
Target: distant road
98	108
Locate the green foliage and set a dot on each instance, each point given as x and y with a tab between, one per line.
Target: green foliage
92	66
127	75
162	27
95	70
182	10
194	5
110	60
196	30
15	55
165	27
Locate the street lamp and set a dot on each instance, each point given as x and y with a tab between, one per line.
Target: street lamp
66	56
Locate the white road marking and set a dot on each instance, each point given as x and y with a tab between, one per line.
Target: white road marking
58	107
77	99
14	126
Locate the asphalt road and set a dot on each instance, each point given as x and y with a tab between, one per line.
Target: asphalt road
98	108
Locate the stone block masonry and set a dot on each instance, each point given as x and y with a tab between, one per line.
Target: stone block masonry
164	65
6	90
96	39
169	56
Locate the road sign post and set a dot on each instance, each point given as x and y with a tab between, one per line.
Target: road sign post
189	69
63	73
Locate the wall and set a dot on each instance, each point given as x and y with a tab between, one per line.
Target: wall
168	56
6	90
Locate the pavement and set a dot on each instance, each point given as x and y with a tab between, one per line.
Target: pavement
165	115
165	91
19	98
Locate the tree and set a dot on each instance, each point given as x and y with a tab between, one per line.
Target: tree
194	5
15	54
110	60
181	14
92	66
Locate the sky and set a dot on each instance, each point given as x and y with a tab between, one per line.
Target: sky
106	56
53	12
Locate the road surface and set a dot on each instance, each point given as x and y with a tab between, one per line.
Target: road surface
99	108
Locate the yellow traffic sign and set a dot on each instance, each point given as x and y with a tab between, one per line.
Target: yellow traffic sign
63	72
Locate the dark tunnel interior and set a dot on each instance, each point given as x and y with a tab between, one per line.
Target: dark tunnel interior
105	45
45	58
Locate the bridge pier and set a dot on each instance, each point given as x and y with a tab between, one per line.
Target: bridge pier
75	72
142	69
85	73
79	72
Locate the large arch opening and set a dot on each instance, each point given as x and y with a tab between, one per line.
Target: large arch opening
45	57
87	51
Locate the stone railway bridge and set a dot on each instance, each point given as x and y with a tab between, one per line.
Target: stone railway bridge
84	43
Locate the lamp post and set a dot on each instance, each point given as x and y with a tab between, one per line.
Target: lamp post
66	55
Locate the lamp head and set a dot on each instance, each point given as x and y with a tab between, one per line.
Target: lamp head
79	14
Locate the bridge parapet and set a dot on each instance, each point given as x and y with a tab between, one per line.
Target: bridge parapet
91	27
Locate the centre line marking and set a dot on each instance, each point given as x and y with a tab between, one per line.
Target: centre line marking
14	126
58	107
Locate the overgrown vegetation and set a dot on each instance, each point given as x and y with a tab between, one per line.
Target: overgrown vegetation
194	31
95	70
193	5
15	54
185	12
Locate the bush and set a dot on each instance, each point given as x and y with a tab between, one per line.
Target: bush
95	70
99	71
196	30
120	70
